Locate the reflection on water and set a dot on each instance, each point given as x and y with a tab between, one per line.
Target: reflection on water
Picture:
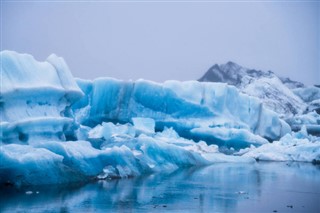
261	187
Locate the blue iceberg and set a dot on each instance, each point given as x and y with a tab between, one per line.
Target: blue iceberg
35	97
182	105
57	129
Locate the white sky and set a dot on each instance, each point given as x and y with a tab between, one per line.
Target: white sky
167	40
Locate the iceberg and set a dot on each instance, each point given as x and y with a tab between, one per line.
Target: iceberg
49	162
230	137
35	97
181	105
310	120
107	130
144	125
308	94
57	129
120	155
292	147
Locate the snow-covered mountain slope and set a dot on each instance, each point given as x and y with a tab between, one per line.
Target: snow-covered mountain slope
291	84
270	89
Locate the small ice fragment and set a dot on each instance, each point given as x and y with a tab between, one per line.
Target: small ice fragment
242	192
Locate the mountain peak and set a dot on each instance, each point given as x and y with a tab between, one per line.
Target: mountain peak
229	72
232	64
274	91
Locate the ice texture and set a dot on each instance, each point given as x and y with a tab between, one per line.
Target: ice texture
118	155
37	119
34	97
181	105
144	125
230	137
128	128
310	120
292	147
308	94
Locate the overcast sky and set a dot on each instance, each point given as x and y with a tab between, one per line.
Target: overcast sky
167	40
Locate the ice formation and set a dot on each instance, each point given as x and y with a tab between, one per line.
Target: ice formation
292	147
121	154
308	94
55	129
181	105
294	101
310	120
34	97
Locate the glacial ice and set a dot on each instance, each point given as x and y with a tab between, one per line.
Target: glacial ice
292	147
144	125
55	129
230	137
121	155
181	105
308	94
34	97
310	120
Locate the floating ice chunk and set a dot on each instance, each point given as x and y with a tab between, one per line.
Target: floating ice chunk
222	158
34	98
311	120
82	133
96	132
308	94
144	125
244	151
291	147
314	106
107	130
172	104
26	165
22	75
229	137
202	147
122	155
78	155
167	156
51	163
168	133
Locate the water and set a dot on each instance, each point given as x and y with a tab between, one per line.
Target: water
260	187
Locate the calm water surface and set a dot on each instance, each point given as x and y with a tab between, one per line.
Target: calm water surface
260	187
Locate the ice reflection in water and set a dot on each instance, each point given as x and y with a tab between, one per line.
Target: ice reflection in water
260	187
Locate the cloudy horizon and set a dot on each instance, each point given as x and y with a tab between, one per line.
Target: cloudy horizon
167	40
